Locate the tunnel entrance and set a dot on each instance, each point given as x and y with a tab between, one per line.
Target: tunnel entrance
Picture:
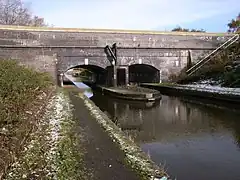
143	73
89	74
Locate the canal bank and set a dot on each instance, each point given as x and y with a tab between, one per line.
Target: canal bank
189	137
109	152
231	95
75	140
24	95
52	147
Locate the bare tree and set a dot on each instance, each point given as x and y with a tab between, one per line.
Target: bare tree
37	21
15	12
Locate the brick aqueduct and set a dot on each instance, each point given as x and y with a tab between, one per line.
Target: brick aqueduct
140	53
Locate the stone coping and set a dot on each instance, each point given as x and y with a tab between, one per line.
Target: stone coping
195	92
91	30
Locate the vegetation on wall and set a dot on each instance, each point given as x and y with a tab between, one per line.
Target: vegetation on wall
223	69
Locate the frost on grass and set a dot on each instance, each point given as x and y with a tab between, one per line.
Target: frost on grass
134	155
51	151
211	88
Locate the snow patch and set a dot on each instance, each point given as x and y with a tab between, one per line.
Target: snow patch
210	88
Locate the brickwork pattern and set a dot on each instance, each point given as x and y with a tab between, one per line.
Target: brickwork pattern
48	49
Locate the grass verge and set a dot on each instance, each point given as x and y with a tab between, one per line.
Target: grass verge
23	93
53	150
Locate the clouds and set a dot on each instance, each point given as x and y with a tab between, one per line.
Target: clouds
130	14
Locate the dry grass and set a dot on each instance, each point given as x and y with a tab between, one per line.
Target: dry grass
22	94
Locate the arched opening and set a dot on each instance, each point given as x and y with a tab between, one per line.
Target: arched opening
143	73
89	74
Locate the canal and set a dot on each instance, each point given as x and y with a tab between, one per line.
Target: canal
192	139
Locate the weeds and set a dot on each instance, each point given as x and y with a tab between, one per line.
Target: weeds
18	87
221	69
22	93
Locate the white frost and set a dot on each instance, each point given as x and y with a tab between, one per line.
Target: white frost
61	111
131	150
210	88
58	109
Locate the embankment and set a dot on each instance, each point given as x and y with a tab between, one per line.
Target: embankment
24	94
231	95
134	156
49	133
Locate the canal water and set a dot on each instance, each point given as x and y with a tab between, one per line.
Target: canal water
192	139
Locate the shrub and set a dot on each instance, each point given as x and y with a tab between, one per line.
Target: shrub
19	86
215	69
232	78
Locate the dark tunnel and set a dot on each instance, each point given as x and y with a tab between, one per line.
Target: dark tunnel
143	73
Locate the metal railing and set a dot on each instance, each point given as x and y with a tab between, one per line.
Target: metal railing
207	58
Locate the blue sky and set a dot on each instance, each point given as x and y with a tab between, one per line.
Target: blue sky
211	15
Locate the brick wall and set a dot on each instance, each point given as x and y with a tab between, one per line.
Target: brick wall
150	47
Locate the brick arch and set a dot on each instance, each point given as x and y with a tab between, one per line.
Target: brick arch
131	61
164	71
69	66
143	73
66	63
98	73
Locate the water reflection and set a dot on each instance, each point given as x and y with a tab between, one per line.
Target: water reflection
195	141
130	116
172	118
